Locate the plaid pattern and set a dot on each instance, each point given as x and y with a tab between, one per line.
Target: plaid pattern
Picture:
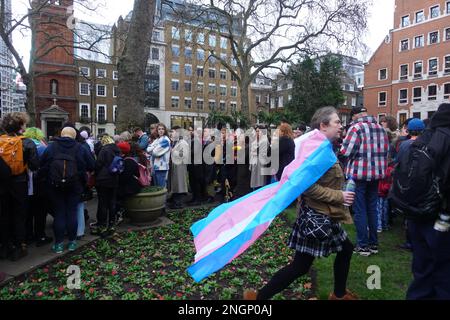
314	247
366	146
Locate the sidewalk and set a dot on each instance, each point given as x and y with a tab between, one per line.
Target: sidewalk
40	256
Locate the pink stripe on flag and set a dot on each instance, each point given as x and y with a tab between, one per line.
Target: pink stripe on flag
259	230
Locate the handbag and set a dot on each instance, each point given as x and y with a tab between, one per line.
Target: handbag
314	225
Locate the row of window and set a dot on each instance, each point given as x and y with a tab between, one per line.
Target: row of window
100	73
101	90
418	69
417	94
419	41
200	38
222	75
200	87
101	113
212	104
199	54
419	16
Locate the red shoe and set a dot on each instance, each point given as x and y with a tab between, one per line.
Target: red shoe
250	294
348	296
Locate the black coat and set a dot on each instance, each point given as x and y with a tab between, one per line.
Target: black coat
128	184
105	157
287	154
5	176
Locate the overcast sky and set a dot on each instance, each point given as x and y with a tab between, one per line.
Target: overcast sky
380	21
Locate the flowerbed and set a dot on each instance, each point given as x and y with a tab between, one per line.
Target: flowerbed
151	265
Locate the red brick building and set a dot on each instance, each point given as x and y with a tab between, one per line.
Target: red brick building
55	82
409	74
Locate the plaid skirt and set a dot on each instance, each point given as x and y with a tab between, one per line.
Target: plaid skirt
302	242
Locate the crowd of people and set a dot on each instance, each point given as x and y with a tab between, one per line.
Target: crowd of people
57	177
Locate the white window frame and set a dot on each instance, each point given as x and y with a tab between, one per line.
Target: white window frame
231	91
446	70
444	37
214	69
179	50
438	37
233	105
114	113
210	86
200	84
447	7
224	104
115	75
212	36
171	67
400	72
106	90
437	66
187	82
172	81
188	35
222	39
280	102
215	104
89	89
409	21
428	91
106	111
88	71
188	65
379	101
203	103
400	45
192	52
379	74
173	98
414	70
201	38
175	33
151	52
220	74
106	73
439	11
399	98
415	99
115	88
199	50
415	16
187	99
80	108
423	41
220	90
446	95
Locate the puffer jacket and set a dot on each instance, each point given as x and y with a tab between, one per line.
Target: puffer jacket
103	178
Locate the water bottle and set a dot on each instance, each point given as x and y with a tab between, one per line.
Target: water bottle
442	223
350	186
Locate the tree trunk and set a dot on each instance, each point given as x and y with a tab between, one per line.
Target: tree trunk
132	65
30	105
245	99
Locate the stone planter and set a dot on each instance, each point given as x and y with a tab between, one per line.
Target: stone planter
146	206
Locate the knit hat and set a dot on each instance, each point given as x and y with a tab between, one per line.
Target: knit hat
124	147
416	125
357	110
106	139
68	132
84	134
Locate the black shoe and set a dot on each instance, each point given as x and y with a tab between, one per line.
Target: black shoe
43	241
406	246
19	252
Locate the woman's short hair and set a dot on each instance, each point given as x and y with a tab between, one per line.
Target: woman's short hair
322	115
13	122
392	123
164	126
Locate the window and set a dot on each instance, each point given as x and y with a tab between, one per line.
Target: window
101	114
212	105
212	40
447	64
188	35
223	75
353	102
233	77
223	42
212	73
446	90
101	90
175	68
223	56
199	104
175	33
420	16
115	75
223	90
432	67
402	117
222	105
382	99
175	102
84	111
212	89
188	53
84	89
433	37
101	73
382	74
404	45
233	62
155	53
200	54
280	102
187	86
403	96
404	72
156	36
290	98
199	71
405	21
434	12
175	85
201	38
85	71
448	7
200	87
417	115
418	69
187	103
115	91
417	94
175	51
447	34
419	42
212	60
432	92
234	91
188	70
114	113
233	106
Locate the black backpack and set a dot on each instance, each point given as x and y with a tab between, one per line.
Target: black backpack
63	172
415	189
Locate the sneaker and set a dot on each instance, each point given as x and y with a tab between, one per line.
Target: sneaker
373	249
250	294
365	252
72	246
43	241
348	296
58	248
380	230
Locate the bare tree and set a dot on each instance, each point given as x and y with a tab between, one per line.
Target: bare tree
265	34
86	38
132	64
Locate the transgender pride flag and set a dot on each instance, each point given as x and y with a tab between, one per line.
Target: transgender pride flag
233	227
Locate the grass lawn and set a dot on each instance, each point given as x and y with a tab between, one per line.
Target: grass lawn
394	264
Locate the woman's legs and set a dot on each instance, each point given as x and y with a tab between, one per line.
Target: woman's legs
284	277
80	219
342	267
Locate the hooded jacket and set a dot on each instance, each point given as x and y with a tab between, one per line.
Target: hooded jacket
105	157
